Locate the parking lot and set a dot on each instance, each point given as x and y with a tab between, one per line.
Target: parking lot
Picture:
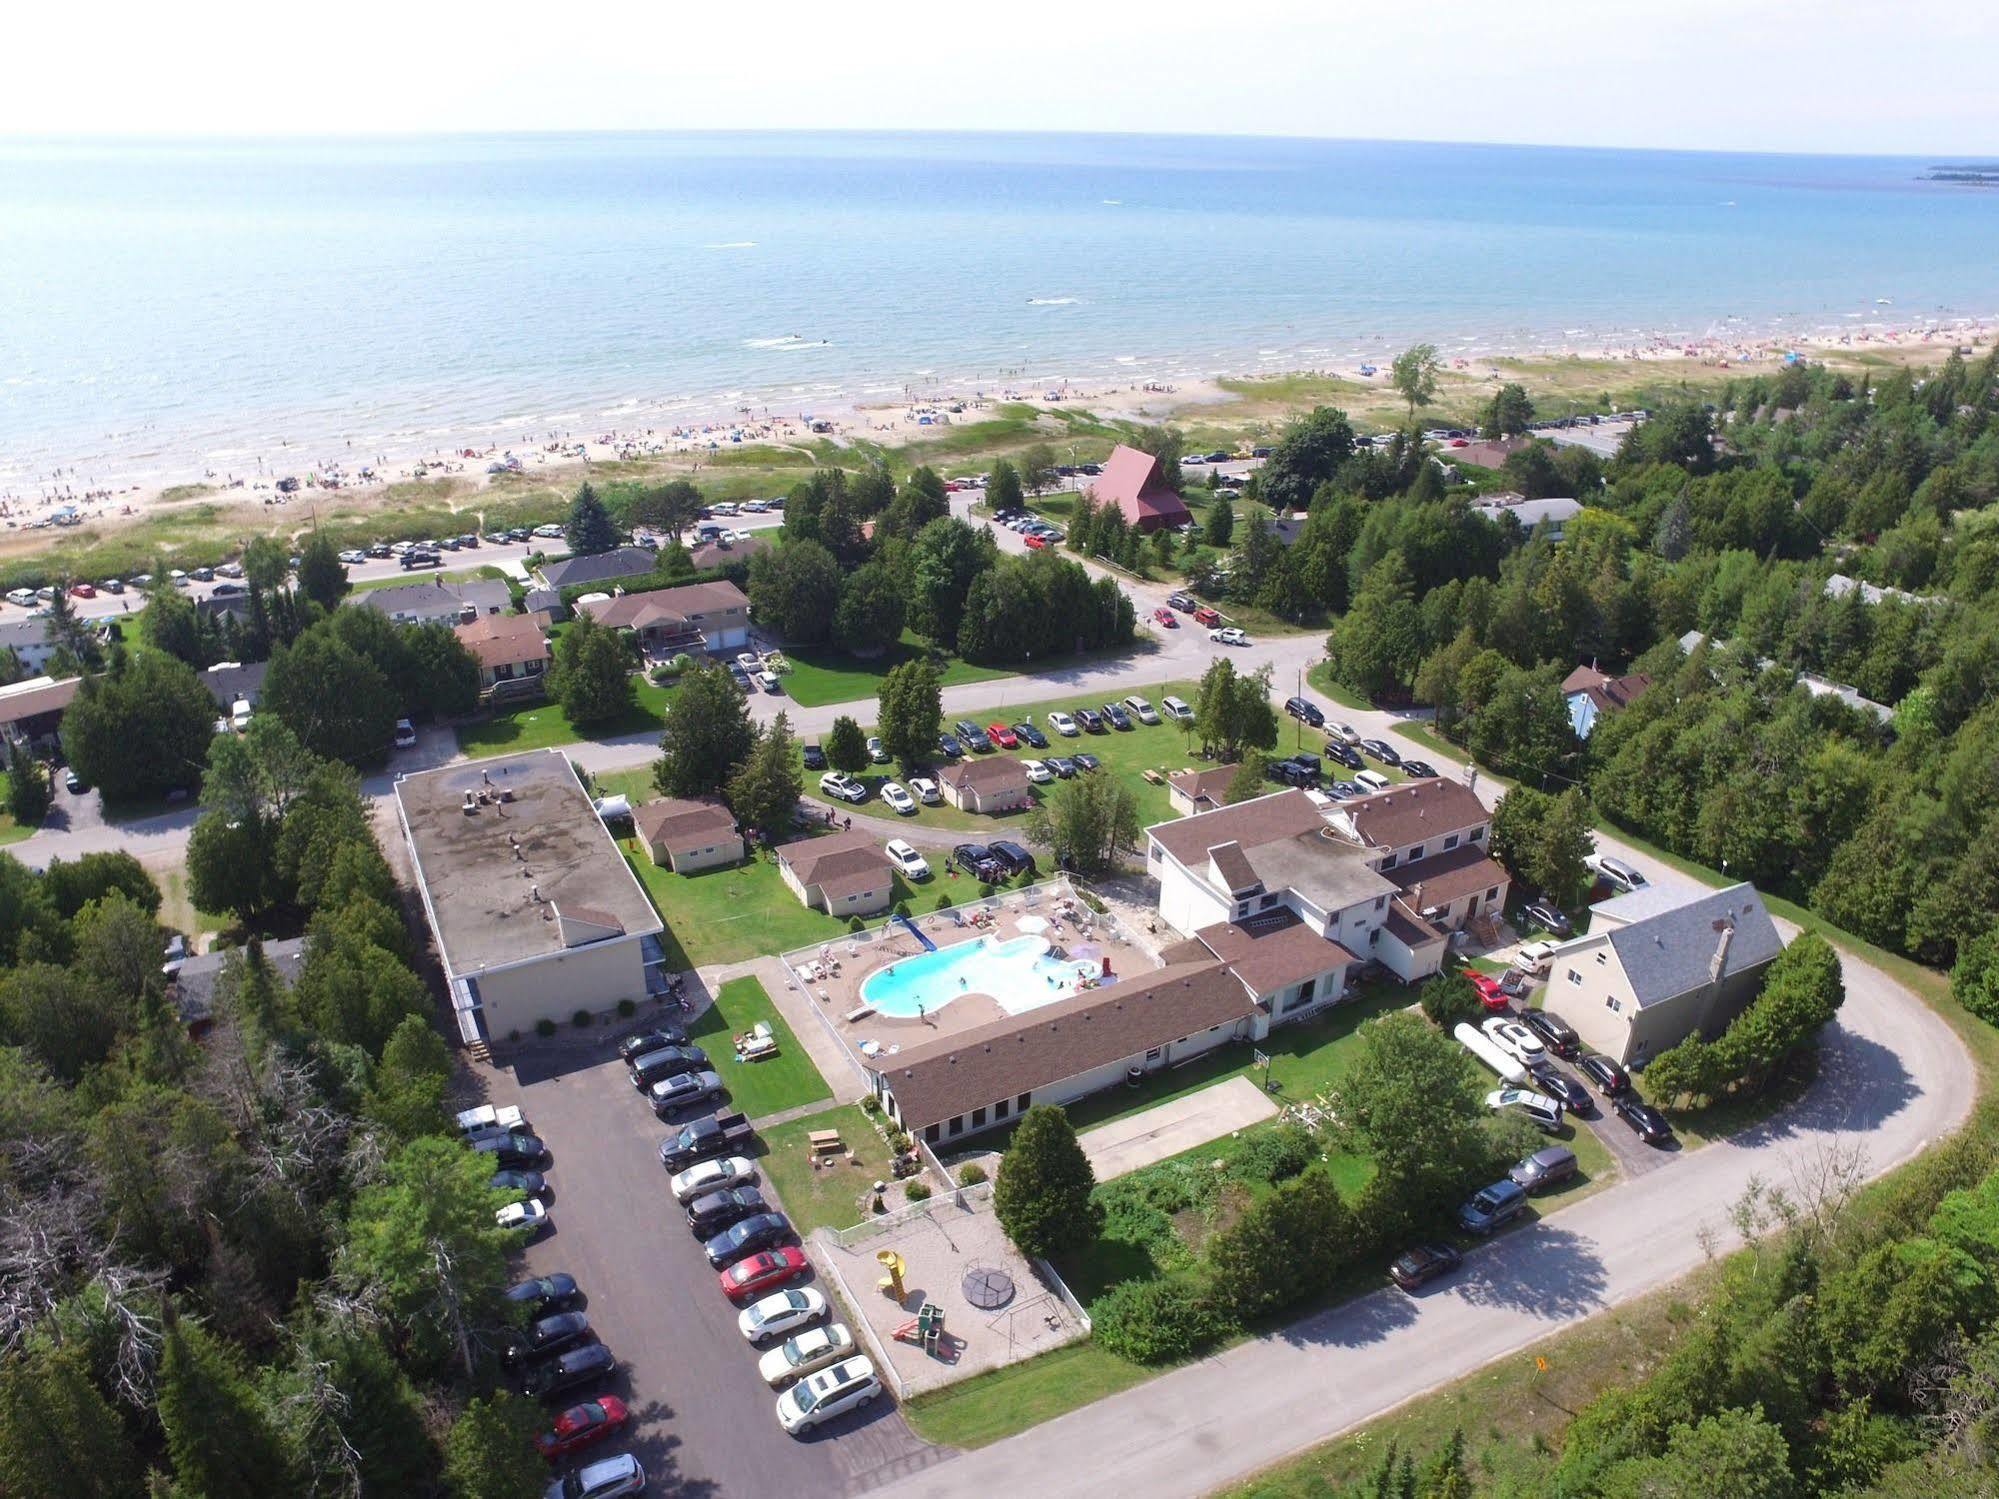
703	1421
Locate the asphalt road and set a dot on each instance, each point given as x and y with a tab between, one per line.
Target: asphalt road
704	1421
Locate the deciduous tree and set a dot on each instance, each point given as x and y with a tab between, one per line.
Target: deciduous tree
1414	374
794	590
141	729
909	714
1088	821
591	676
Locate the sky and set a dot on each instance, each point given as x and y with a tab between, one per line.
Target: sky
1915	77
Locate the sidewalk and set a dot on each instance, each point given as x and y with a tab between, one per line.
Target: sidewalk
1181	1124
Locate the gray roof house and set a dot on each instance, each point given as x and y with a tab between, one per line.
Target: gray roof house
194	982
435	601
231	682
1661	964
1557	513
600	567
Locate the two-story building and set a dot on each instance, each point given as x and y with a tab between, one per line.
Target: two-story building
512	654
1429	838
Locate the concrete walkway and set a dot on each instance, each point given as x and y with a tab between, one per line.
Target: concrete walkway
1172	1127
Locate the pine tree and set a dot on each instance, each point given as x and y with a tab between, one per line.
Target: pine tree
28	793
1445	1475
847	746
590	529
221	1440
59	1437
1043	1194
1221	524
765	791
489	1452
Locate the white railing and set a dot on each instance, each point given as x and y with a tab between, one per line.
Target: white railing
884	1365
1062	1294
963	1199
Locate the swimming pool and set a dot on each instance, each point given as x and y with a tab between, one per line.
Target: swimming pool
1018	972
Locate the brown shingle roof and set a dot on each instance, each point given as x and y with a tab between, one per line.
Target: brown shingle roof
1267	953
1265	819
1019	1053
988	773
1233	865
836	858
709	554
635	610
678	823
1203	786
1412	811
1443	878
1607	692
503	639
1408	928
1131	481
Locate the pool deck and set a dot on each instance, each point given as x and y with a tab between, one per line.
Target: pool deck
831	975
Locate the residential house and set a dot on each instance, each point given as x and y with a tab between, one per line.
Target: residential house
233	682
687	835
1555	514
29	640
31	711
1491	452
842	874
1189	792
1816	685
1131	481
614	566
1839	585
962	1083
991	783
196	978
720	552
436	601
512	654
1661	964
1590	693
545	601
711	617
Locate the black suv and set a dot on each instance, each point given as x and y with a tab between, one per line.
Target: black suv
815	757
1305	711
1641	1116
546	1338
545	1293
709	1215
1091	720
1300	770
974	859
971	736
1119	719
1609	1078
1346	754
1016	859
579	1366
655	1038
669	1061
1551	1028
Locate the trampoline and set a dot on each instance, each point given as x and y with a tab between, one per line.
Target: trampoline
986	1288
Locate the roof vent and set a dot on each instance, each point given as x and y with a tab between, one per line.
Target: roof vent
471	804
534	894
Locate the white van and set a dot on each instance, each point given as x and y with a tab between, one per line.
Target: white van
1373	780
239	714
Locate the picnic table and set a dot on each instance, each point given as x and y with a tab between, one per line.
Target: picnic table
824	1141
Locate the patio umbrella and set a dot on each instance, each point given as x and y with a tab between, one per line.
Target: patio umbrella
1032	924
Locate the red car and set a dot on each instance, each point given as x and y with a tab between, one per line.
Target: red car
1034	543
1490	994
581	1425
1167	618
1002	737
83	590
763	1272
1206	616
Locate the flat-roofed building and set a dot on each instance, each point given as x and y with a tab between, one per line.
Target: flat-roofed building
534	911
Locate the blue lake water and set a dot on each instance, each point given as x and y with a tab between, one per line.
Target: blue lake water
174	304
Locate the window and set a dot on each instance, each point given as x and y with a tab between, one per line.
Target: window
1020	1103
1415	853
1574	977
999	1109
1450	841
978	1118
1475	834
1381	903
1492	895
1614	1005
1152	1055
1266	903
1389	862
930	1133
1603	957
958	1124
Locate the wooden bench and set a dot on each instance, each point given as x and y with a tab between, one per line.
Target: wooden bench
1155	778
824	1141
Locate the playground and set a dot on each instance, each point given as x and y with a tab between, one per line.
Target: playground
944	1294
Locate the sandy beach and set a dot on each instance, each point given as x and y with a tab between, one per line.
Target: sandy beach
69	497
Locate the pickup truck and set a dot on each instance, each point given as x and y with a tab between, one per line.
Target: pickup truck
488	1119
704	1139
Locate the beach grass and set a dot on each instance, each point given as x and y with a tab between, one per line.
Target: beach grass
786	1081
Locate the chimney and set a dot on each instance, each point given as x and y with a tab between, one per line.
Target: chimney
1720	960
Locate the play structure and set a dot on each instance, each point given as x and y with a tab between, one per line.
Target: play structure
925	1329
891	1283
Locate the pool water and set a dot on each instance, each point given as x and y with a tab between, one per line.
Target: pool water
1018	972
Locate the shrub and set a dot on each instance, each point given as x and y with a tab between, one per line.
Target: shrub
581	1020
1974	982
1159	1321
544	1028
1090	899
943	901
626	1009
855	924
898	1141
902	909
917	1191
1450	1000
1274	1155
972	1175
871	1105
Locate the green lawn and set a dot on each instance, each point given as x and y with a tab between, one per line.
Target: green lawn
823	674
989	1406
545	726
833	1196
1320	680
784	1081
1162	747
728	915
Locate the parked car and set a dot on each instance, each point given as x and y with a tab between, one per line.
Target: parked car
1492	1208
656	1037
545	1293
1177	710
1615	873
582	1426
1534	957
1116	717
1062	765
1556	1033
1228	635
1088	762
1305	711
1207	616
1346	733
558	1376
1301	770
1063	724
781	1314
898	799
1516	1040
1419	770
1371	780
1091	721
1540	1110
1346	754
654	1066
1141	710
926	790
711	1176
848	1385
1030	735
948	747
1166	618
842	787
1037	772
525	1183
608	1478
763	1272
1184	602
1548	917
758	1231
1381	750
1650	1124
527	1217
974	859
1606	1076
970	735
815	757
1002	736
804	1353
1547	1167
709	1215
1418	1266
876	751
405	734
1012	856
546	1337
1565	1090
720	1134
911	864
513	1149
683	1090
